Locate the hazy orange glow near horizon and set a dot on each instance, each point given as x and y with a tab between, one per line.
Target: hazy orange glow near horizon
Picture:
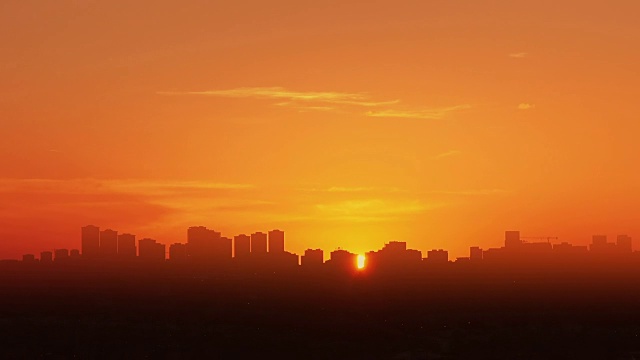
344	123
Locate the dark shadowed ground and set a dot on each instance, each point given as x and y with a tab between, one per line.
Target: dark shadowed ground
163	312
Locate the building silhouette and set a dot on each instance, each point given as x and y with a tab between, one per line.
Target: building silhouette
207	246
342	260
570	253
178	253
601	247
393	257
150	250
312	258
108	243
475	253
624	244
46	257
276	241
437	257
28	258
61	254
258	243
126	246
90	241
241	246
223	250
266	253
540	248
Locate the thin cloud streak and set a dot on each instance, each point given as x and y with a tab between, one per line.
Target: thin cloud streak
303	108
371	210
91	185
273	93
518	55
343	189
526	106
473	192
280	93
447	154
367	103
431	114
321	101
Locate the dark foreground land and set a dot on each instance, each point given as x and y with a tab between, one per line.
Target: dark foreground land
163	312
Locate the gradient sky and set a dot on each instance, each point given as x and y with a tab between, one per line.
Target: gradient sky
344	123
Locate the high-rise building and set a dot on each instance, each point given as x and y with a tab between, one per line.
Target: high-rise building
90	241
108	243
393	257
178	253
601	247
203	244
259	243
569	251
475	253
223	249
512	239
126	246
241	246
624	243
276	241
46	257
342	260
74	253
396	247
438	256
149	249
312	257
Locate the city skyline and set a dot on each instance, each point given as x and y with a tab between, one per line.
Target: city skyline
526	297
208	247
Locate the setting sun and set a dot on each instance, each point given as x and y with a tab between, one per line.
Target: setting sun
360	262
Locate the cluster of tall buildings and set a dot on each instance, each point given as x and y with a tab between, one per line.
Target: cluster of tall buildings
208	247
518	249
109	244
203	246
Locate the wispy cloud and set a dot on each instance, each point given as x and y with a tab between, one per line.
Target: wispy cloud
324	101
472	192
273	93
357	189
447	154
518	55
303	108
177	185
367	103
526	106
153	191
280	93
429	114
364	210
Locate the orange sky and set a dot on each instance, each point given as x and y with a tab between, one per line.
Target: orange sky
344	123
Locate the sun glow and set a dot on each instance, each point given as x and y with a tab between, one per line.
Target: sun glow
360	262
